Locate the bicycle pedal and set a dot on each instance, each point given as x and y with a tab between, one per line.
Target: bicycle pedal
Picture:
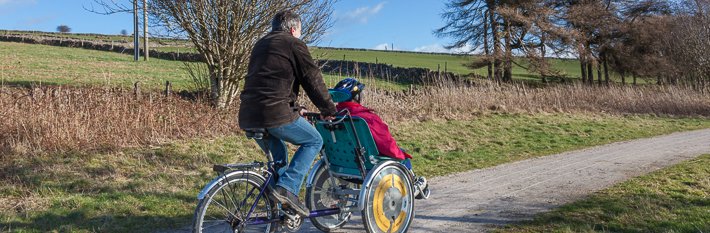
292	222
289	213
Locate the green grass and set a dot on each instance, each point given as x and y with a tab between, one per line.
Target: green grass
674	199
149	190
452	63
445	147
26	64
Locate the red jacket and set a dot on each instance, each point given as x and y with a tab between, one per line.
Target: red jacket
380	132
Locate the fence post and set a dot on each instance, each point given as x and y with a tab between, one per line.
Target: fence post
168	88
446	65
438	72
137	90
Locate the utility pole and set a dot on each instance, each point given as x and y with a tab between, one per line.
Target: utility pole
136	45
146	52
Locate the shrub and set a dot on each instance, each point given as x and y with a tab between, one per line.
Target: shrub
63	28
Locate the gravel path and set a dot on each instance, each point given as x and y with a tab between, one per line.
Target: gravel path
478	200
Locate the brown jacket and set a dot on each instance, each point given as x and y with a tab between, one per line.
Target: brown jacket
278	66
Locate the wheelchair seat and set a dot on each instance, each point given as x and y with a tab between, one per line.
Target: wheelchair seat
340	146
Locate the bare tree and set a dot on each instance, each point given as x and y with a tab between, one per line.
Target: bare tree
63	28
475	23
688	46
504	28
225	31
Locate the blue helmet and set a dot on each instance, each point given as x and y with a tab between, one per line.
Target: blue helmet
351	86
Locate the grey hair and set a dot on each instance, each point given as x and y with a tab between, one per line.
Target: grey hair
285	20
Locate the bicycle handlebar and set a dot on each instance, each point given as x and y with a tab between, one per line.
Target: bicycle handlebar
314	117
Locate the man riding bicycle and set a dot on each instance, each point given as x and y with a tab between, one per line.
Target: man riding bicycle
280	64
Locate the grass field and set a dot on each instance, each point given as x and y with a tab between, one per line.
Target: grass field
147	190
27	64
674	199
452	63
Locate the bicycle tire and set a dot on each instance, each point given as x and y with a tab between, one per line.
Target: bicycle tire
320	196
211	214
389	200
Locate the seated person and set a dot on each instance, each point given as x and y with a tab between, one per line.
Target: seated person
386	145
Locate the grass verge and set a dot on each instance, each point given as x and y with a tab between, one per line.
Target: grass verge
153	190
674	199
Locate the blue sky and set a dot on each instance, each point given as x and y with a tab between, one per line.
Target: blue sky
408	24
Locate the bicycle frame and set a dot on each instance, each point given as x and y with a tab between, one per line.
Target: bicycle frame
267	177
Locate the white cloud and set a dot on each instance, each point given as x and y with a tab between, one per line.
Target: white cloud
362	14
437	48
387	46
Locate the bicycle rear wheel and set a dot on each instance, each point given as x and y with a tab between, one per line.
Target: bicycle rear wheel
321	195
226	205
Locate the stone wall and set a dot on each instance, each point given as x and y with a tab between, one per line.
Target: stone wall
421	76
102	45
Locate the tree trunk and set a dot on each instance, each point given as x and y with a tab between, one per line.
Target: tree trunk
590	65
606	72
508	61
635	79
623	79
485	45
223	90
542	54
583	64
599	73
496	43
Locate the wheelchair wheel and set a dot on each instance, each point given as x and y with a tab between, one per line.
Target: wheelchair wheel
226	205
321	196
389	201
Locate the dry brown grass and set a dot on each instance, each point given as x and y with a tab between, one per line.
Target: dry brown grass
59	119
461	102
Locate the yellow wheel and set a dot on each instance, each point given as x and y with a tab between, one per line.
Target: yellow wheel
390	200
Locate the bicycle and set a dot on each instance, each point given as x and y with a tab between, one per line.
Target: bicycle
241	202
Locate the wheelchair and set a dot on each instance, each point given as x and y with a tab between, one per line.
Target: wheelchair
349	177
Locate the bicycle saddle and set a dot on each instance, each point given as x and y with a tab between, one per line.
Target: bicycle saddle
256	133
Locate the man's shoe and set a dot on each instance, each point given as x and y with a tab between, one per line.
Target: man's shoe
288	199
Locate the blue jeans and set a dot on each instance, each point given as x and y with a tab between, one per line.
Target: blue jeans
302	134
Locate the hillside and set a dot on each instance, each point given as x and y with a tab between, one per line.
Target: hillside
433	61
